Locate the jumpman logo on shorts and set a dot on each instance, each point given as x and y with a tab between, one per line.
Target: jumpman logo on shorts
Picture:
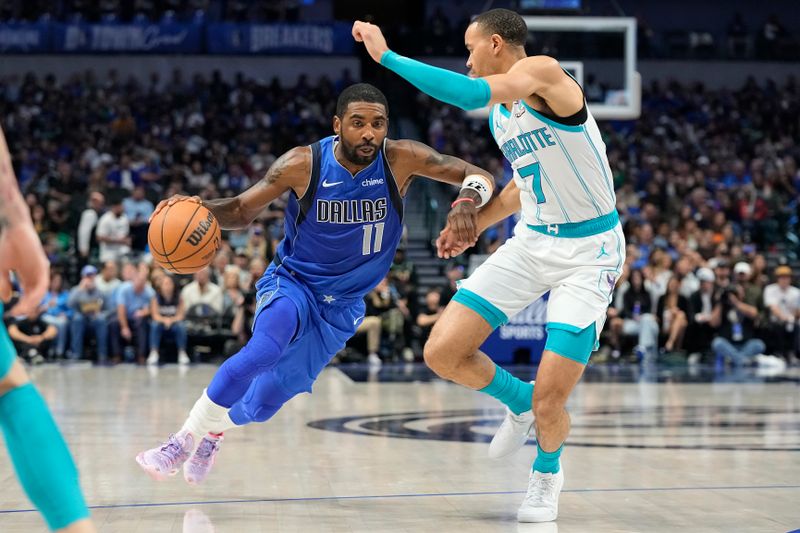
603	252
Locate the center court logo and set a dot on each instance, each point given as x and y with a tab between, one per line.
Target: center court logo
692	427
369	182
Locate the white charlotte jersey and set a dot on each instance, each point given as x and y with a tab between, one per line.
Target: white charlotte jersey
562	171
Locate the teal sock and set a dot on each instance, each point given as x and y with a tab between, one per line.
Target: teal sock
515	393
547	462
40	457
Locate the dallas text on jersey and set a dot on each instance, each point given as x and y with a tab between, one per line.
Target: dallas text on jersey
351	211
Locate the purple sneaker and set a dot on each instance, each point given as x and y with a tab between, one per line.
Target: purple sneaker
196	469
165	460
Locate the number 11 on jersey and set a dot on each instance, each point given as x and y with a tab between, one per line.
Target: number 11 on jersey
367	246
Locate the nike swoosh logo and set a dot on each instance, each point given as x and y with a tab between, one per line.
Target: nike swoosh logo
356	320
325	183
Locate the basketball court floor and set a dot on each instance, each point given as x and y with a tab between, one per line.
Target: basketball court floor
398	450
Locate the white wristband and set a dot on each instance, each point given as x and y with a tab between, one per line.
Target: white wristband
479	184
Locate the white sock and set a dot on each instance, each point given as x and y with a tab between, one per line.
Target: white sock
224	424
204	415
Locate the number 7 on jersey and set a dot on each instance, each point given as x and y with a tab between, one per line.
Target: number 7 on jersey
367	246
536	186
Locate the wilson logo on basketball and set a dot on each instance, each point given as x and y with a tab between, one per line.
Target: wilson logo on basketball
197	235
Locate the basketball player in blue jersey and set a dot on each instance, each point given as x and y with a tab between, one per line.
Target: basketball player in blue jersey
569	240
342	227
40	456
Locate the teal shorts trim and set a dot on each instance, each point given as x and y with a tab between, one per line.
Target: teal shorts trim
7	352
571	342
577	230
491	314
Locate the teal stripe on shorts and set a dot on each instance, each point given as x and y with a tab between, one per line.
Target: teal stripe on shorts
488	311
571	342
7	352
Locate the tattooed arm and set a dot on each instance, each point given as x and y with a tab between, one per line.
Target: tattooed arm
290	171
20	248
411	158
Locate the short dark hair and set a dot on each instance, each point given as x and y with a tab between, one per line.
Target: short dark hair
505	23
360	92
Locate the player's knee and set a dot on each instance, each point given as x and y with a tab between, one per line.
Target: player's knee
430	355
262	413
258	355
436	357
547	407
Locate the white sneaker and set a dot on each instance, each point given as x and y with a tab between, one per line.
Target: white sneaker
541	502
763	360
183	358
152	359
374	360
511	435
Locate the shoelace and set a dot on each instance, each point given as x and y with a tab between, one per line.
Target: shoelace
205	449
171	450
541	486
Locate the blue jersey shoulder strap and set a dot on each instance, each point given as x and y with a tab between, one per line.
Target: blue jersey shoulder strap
307	201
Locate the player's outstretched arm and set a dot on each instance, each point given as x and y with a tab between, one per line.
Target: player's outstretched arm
20	248
540	75
445	85
290	171
411	158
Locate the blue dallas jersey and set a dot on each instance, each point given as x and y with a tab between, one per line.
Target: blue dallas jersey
341	236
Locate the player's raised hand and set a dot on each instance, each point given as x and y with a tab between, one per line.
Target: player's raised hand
372	37
448	246
163	204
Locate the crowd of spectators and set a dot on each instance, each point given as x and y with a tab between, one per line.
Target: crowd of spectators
731	314
707	184
133	311
766	37
441	30
153	10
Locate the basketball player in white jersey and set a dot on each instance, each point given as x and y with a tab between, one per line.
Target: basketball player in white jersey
568	241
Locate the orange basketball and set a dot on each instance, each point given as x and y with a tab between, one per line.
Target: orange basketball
184	237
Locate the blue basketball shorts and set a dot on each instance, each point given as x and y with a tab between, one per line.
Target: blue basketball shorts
323	330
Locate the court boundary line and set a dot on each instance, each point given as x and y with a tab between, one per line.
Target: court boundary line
413	495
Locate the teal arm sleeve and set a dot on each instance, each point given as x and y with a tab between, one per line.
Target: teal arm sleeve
449	87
